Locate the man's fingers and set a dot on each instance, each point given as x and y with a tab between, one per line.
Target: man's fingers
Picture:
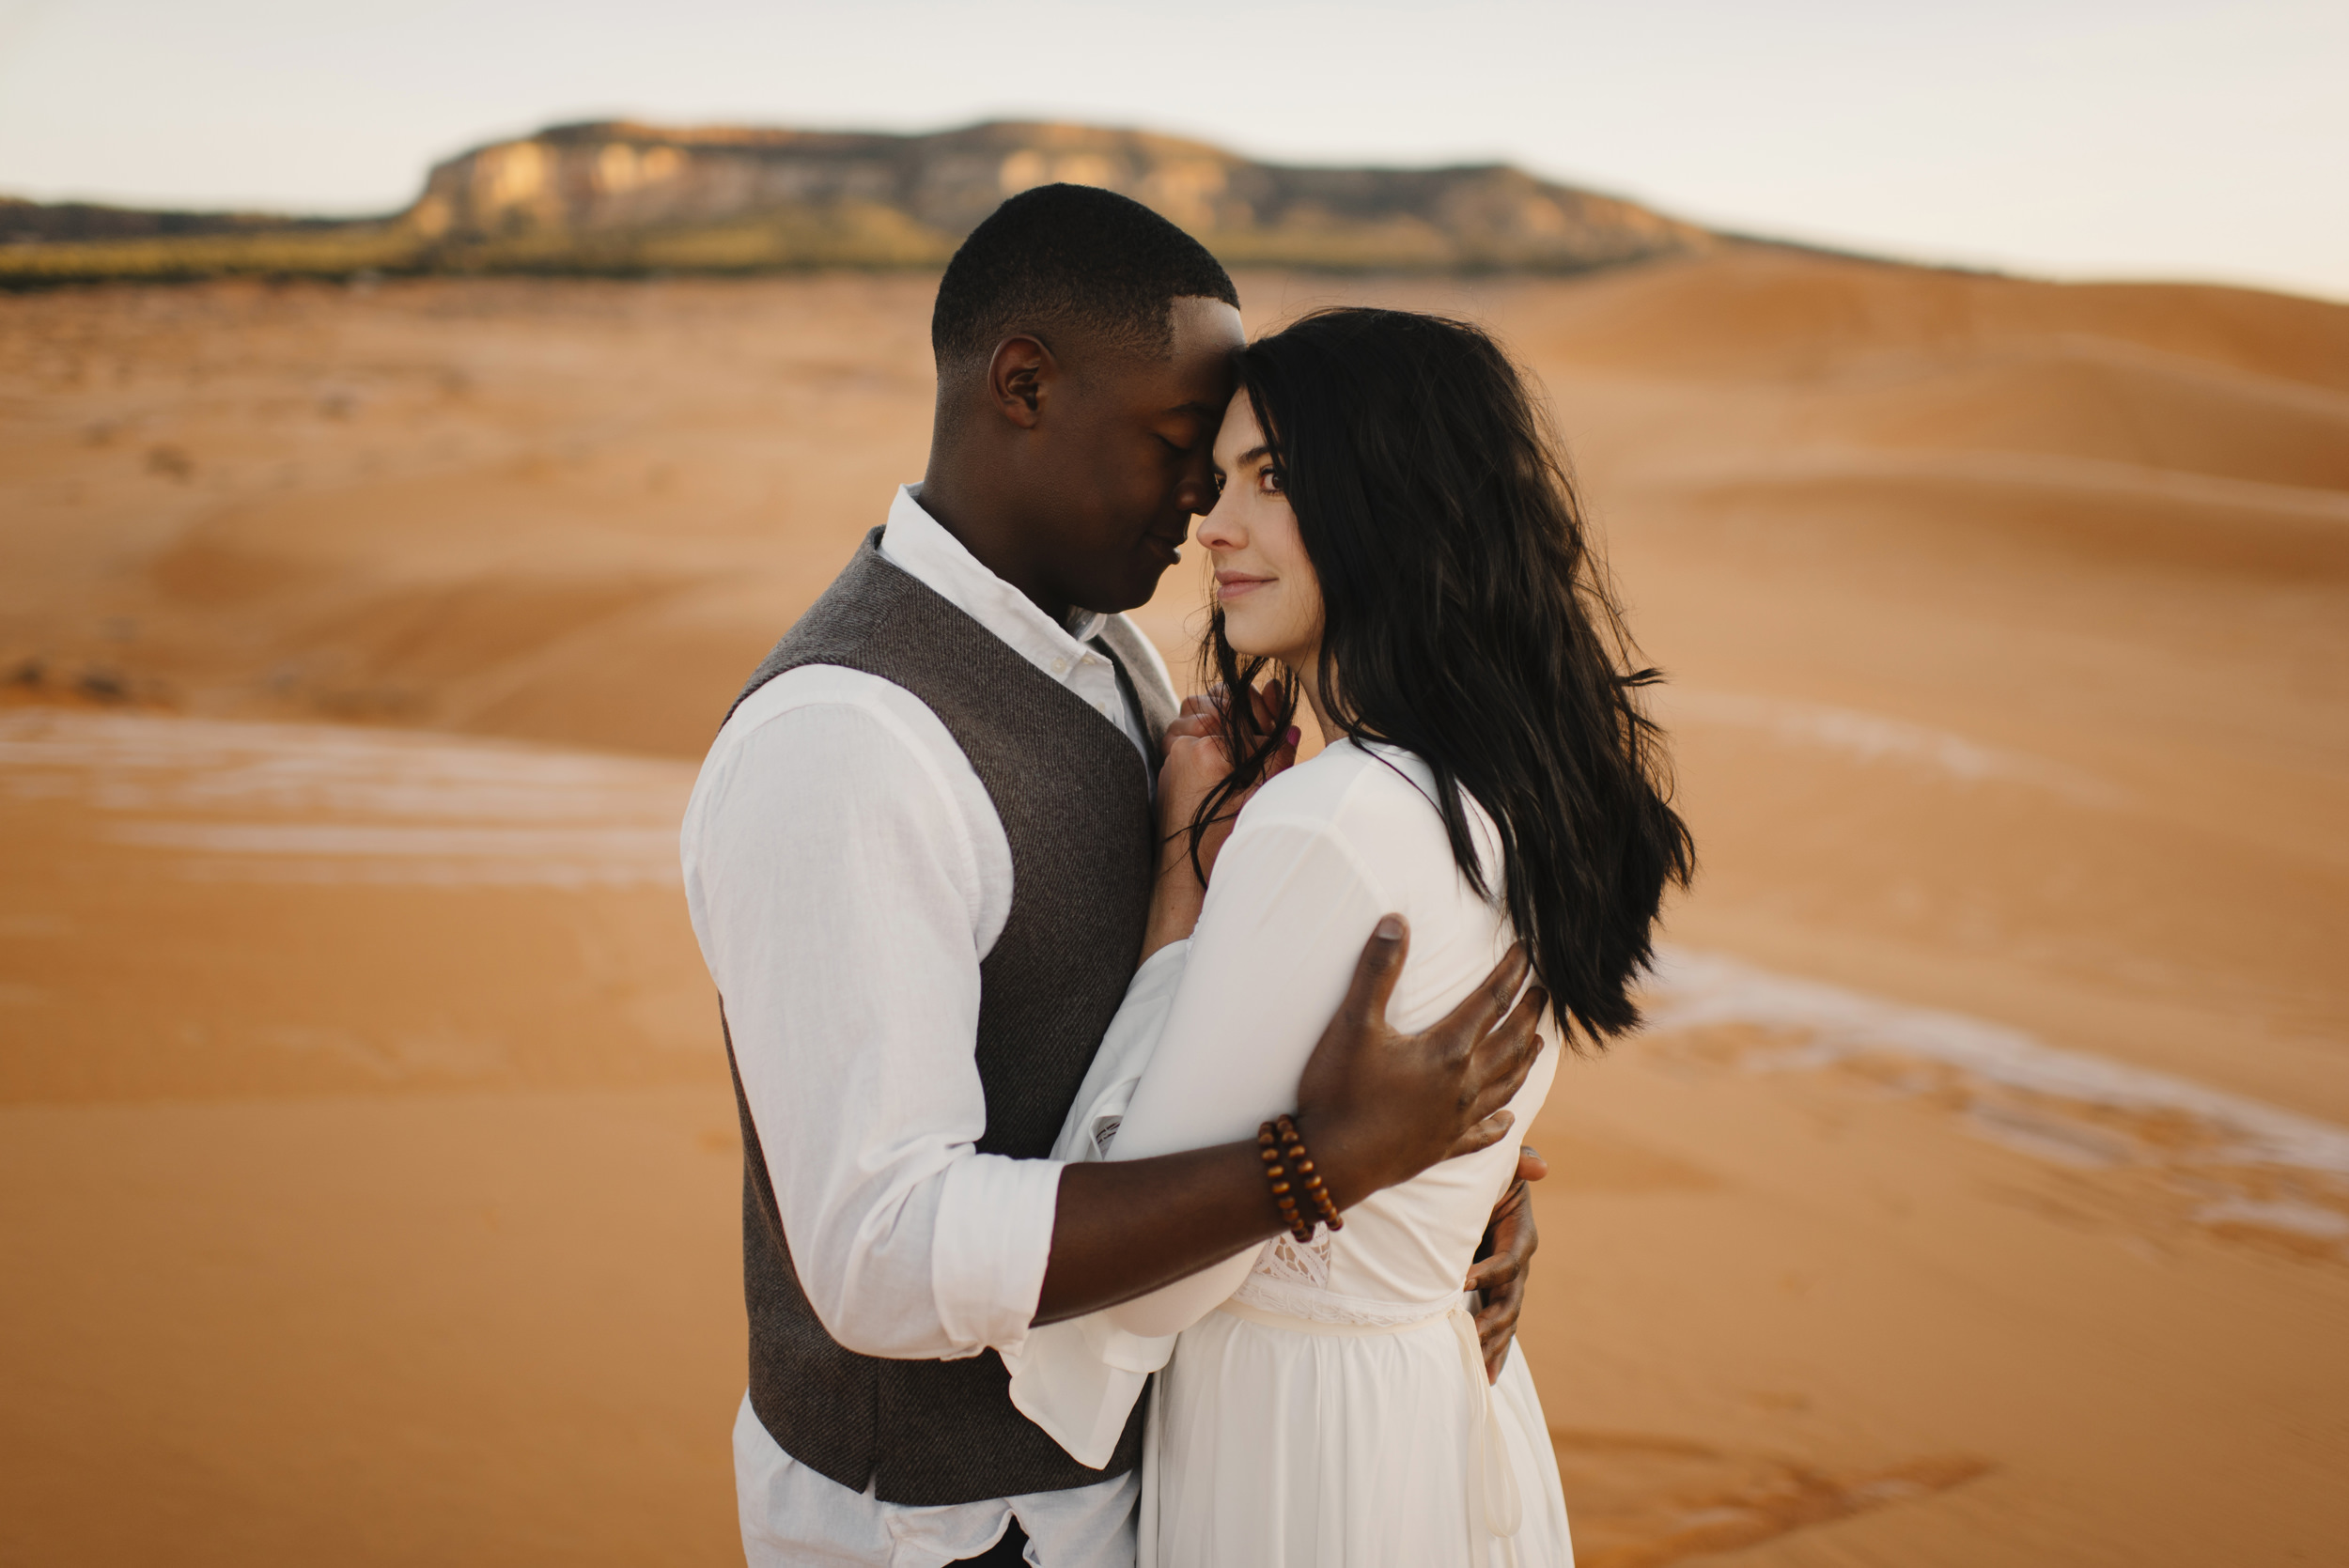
1506	1056
1513	1043
1497	1272
1474	1016
1496	1319
1494	1340
1376	971
1497	1327
1532	1167
1484	1135
1497	1091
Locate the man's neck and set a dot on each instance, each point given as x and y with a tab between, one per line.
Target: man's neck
981	530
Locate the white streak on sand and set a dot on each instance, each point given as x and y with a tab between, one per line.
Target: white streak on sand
1691	990
2287	1213
328	803
1872	738
369	838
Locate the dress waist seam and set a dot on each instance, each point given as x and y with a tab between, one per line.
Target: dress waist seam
1249	1313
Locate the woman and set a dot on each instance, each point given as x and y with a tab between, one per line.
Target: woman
1396	539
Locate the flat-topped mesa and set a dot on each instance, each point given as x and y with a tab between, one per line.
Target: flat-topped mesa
620	176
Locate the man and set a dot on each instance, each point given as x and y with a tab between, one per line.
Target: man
918	861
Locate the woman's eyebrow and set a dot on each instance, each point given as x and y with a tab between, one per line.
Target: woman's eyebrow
1251	456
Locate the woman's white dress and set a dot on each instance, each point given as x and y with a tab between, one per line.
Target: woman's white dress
1321	1405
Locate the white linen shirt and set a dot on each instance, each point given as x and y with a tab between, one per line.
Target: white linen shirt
845	874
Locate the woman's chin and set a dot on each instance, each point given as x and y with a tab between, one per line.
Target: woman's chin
1247	637
1247	647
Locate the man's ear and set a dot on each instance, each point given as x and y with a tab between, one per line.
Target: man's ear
1019	378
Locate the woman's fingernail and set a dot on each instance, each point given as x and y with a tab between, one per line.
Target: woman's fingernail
1291	735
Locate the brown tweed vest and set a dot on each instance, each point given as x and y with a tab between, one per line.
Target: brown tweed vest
1075	803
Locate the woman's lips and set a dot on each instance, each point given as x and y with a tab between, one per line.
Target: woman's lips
1232	584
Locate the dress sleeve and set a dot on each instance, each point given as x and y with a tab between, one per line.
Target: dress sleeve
1286	915
1210	1043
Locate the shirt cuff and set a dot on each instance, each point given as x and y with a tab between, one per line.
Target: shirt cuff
988	1252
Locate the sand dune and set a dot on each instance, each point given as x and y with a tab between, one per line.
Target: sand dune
1978	1195
1785	317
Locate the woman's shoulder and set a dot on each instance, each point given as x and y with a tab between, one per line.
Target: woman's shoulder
1380	803
1364	794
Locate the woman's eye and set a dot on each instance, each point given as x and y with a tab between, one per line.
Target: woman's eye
1269	480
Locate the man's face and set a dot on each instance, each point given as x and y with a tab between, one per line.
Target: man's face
1131	460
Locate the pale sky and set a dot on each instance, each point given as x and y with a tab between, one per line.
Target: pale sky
2070	138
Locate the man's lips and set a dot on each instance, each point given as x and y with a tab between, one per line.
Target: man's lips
1170	548
1232	584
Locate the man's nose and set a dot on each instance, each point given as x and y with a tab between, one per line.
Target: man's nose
1196	493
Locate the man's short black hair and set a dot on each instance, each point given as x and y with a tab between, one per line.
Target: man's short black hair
1076	260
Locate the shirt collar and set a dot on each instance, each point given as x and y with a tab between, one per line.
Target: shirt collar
920	544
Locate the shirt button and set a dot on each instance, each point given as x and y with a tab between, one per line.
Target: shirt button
1060	666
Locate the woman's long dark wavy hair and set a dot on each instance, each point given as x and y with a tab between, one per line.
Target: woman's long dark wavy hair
1466	621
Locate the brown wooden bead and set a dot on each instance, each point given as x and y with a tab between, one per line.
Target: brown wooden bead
1282	1148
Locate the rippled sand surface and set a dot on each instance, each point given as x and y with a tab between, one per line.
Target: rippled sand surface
1980	1192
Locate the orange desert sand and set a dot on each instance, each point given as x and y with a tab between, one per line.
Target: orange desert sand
1978	1195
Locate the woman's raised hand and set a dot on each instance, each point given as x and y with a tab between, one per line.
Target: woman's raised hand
1197	761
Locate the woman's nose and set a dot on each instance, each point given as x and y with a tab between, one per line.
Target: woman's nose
1218	530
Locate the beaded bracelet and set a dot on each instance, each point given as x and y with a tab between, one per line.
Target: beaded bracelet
1269	1149
1303	1166
1278	1140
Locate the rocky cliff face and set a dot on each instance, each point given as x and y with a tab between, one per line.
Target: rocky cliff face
622	199
621	179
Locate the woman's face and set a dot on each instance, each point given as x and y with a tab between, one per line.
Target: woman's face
1271	598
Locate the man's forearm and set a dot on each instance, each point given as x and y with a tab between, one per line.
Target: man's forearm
1380	1108
1124	1228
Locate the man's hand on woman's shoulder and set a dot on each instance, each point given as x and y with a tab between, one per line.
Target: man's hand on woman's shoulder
1379	1105
1376	1106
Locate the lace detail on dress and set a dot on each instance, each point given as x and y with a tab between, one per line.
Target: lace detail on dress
1287	1260
1293	1280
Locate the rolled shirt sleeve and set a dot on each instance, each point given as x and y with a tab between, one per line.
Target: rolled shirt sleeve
989	1249
844	905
